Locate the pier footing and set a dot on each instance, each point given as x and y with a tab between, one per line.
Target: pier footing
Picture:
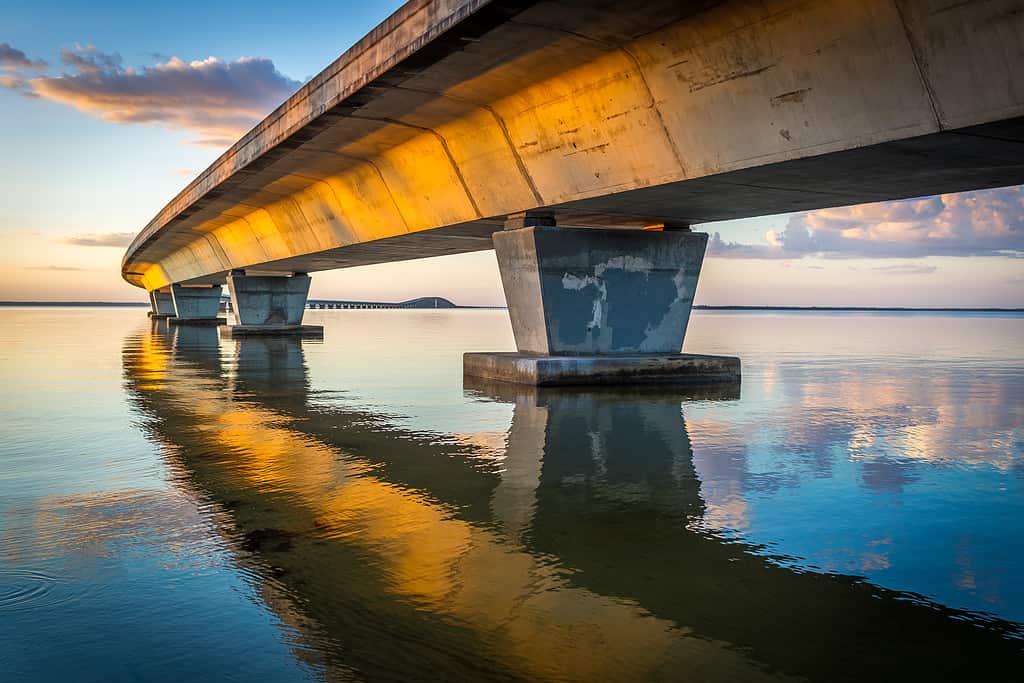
231	331
198	322
641	368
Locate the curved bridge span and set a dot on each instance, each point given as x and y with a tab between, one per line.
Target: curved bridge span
456	118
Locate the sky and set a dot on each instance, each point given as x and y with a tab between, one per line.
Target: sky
108	109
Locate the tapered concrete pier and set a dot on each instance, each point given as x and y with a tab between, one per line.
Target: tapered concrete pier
197	305
599	306
162	304
269	305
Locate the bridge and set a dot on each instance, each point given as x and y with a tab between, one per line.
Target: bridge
582	141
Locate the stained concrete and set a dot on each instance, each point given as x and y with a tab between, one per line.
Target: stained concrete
265	300
597	306
575	291
544	370
269	305
196	305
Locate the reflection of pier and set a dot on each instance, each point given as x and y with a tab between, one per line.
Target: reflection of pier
570	556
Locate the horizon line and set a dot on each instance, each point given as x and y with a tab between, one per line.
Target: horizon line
699	307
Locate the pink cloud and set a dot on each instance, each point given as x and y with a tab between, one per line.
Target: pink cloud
981	223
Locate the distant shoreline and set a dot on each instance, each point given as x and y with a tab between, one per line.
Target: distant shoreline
699	307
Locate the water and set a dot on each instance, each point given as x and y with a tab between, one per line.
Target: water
176	507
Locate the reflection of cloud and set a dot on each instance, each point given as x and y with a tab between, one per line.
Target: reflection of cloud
93	525
885	474
732	515
103	239
219	100
983	223
12	58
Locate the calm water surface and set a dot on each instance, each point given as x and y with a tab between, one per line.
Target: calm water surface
176	507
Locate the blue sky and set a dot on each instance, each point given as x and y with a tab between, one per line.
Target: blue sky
78	176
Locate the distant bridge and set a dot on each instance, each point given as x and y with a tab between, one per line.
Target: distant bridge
421	302
317	304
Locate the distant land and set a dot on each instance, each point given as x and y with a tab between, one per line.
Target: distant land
698	307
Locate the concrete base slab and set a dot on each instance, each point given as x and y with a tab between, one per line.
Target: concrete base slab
198	322
641	368
230	331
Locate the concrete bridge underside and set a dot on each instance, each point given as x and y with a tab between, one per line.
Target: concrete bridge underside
451	115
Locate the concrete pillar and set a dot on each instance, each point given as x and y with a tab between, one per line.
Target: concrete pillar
599	306
196	305
269	305
162	304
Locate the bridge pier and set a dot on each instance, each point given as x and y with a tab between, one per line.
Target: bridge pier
269	305
196	305
162	305
599	306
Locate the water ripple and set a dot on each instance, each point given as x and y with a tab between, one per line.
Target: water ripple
24	589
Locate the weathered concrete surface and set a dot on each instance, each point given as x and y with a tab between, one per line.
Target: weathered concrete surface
544	370
162	304
268	300
453	114
232	331
196	304
576	291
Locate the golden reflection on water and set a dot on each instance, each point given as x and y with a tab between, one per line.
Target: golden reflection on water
595	577
535	621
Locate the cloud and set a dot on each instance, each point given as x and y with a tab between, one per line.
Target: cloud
216	99
54	268
12	58
12	81
981	223
88	60
106	239
184	172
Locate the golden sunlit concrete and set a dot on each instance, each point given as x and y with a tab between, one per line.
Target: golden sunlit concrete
451	115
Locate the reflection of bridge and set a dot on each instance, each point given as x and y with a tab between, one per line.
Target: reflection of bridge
564	550
455	119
